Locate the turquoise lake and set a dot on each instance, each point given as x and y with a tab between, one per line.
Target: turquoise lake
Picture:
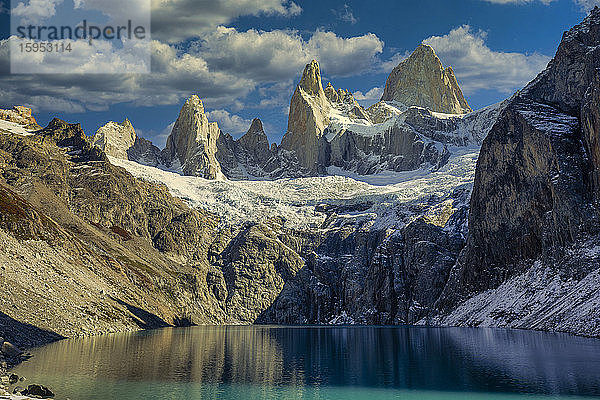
271	362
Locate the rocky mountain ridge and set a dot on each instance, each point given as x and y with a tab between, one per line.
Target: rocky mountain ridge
422	81
329	128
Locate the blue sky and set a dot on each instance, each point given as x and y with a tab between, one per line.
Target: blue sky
244	57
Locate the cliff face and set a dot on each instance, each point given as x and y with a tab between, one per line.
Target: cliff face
421	81
115	139
536	185
193	142
309	115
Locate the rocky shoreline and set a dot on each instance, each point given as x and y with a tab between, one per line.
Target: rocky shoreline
12	386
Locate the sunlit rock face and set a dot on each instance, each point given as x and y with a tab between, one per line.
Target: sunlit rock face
309	115
20	115
193	142
115	139
422	81
121	141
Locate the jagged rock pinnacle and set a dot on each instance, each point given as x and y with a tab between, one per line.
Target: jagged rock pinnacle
193	141
255	141
422	81
256	127
115	139
311	79
309	115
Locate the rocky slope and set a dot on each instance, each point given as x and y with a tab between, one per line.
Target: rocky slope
534	209
422	81
355	241
86	248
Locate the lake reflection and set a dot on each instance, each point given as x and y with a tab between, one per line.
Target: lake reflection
318	362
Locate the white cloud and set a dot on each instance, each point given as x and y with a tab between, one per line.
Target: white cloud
389	65
176	20
345	14
587	5
119	10
35	11
546	2
344	56
230	123
97	57
373	94
478	67
223	68
280	55
175	76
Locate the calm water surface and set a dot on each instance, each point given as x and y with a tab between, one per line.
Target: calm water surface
265	362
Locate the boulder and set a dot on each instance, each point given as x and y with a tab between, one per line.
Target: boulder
38	391
10	350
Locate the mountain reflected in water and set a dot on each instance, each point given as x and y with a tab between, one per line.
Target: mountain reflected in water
275	362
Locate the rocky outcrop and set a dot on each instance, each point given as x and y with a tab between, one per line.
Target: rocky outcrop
308	117
100	251
397	148
256	143
121	141
421	81
357	274
329	128
536	183
248	156
344	101
20	115
256	265
192	143
115	139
